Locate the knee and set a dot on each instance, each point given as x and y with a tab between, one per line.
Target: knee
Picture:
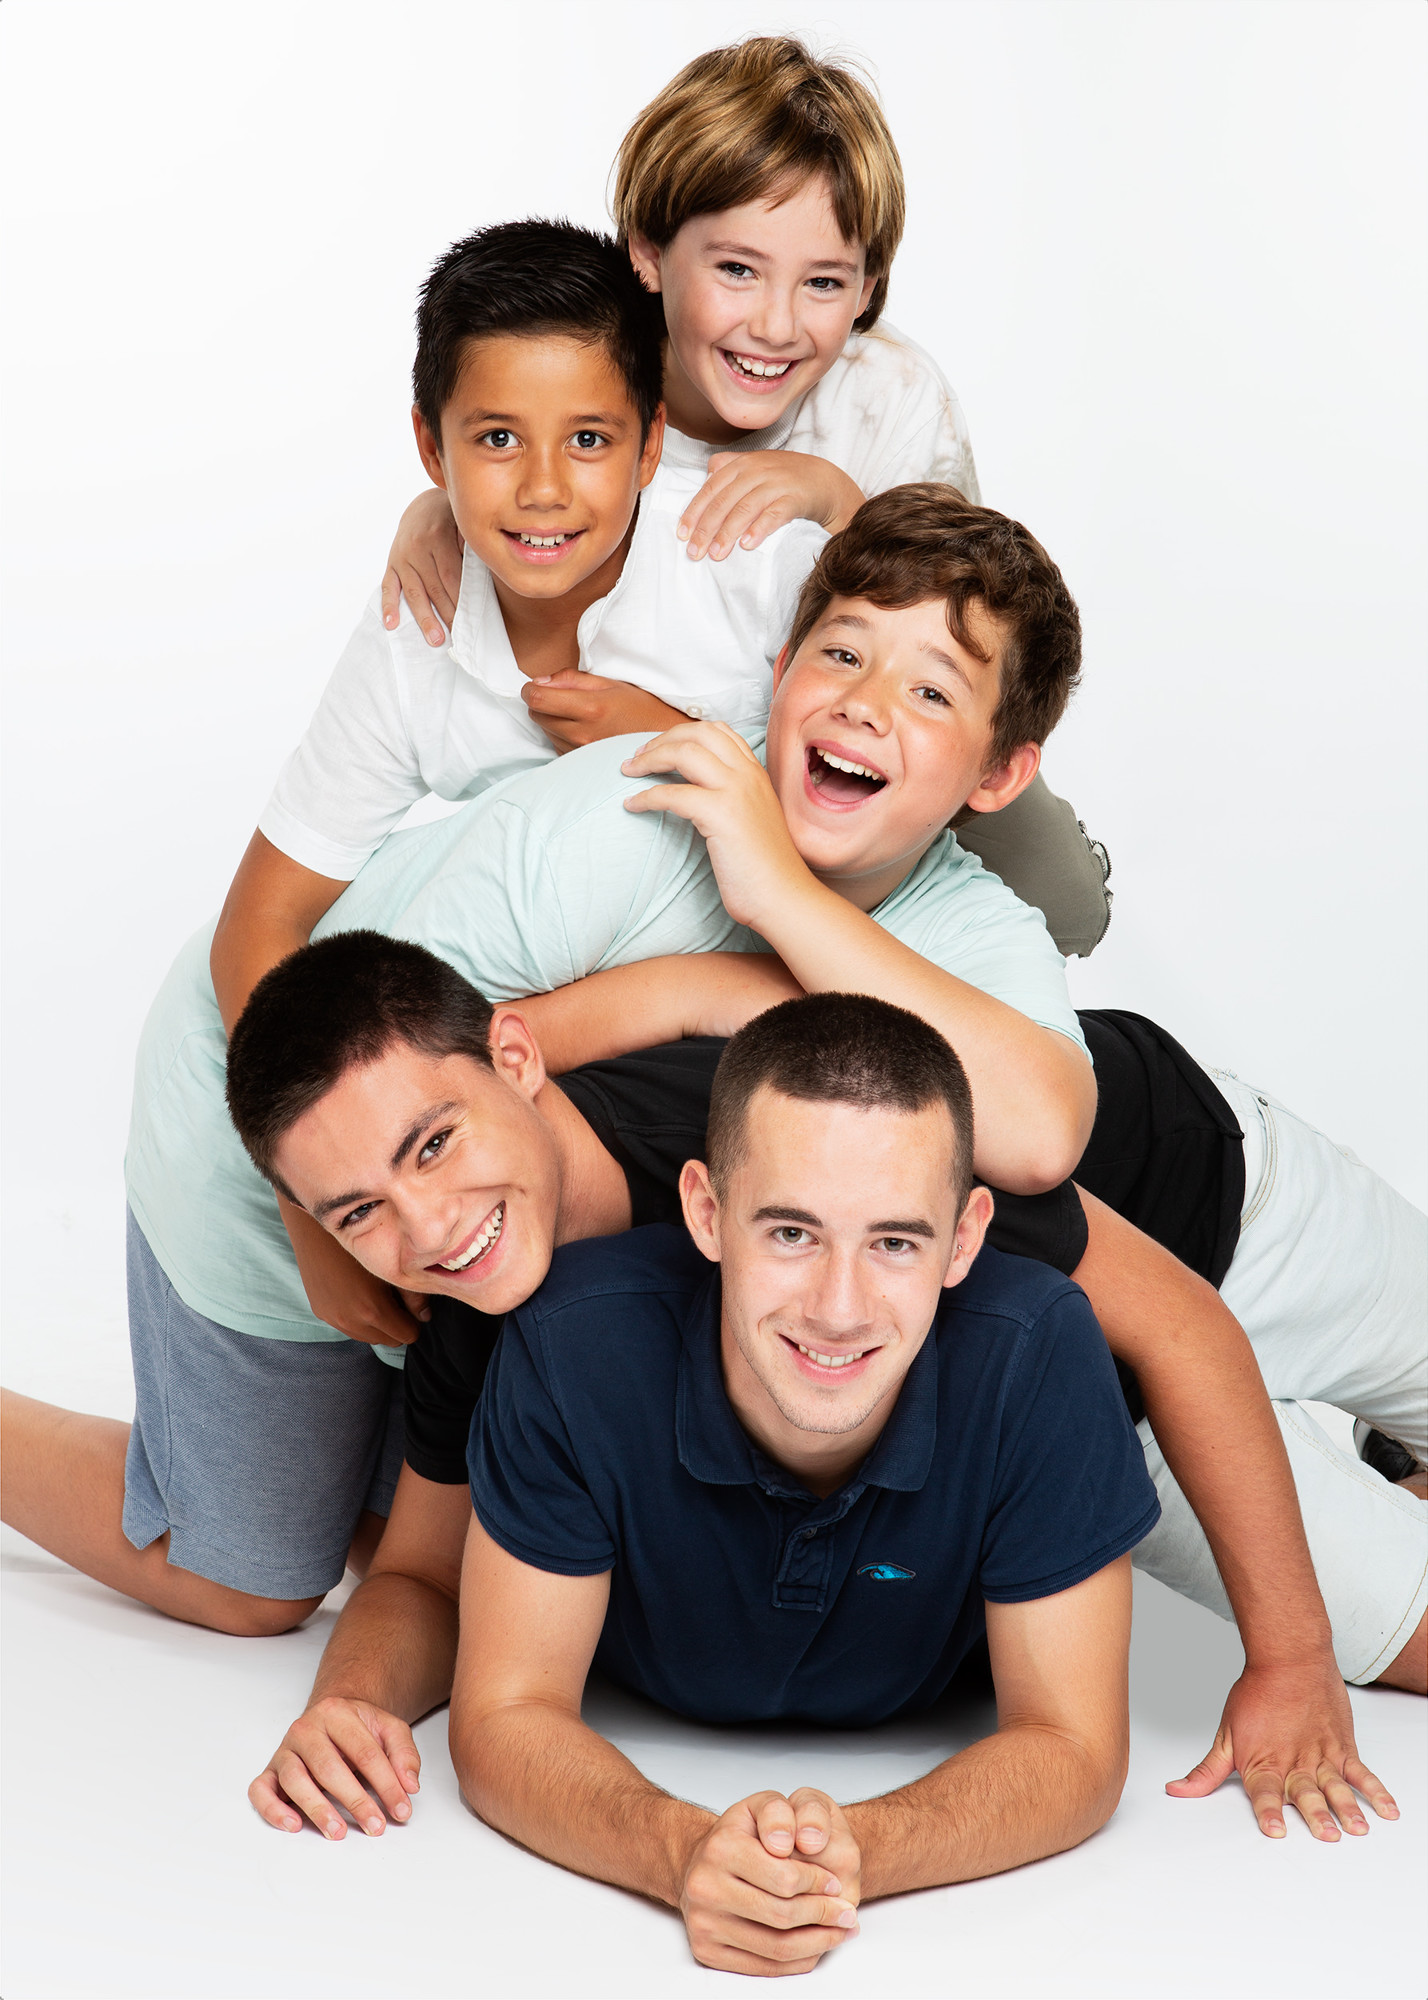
243	1617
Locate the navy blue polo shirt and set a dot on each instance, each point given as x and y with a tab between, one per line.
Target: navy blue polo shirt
605	1440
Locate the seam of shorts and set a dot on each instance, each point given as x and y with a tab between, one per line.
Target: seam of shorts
201	1557
1270	1171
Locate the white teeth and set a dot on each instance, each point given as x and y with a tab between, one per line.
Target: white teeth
545	541
483	1242
844	764
830	1360
753	367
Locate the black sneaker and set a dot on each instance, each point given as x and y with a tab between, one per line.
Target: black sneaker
1385	1454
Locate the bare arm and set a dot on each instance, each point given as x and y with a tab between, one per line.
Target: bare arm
530	1767
1052	1773
269	911
659	1000
1034	1089
388	1662
1288	1726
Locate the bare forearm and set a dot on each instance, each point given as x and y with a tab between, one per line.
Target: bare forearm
1034	1090
242	953
1014	1797
394	1645
660	1000
1211	1415
539	1775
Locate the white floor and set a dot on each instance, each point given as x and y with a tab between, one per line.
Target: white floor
134	1866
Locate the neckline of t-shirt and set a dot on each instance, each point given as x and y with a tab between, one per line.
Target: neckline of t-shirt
697	451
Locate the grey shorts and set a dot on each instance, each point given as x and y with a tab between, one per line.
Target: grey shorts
255	1457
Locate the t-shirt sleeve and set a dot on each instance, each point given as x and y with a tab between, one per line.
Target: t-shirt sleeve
355	772
1071	1490
445	1368
526	1485
791	552
968	922
924	433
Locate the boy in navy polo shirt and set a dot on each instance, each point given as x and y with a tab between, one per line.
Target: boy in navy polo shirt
803	1487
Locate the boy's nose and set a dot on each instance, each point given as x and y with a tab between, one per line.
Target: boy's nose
773	320
543	481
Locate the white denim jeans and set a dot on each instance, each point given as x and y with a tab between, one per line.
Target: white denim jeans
1330	1282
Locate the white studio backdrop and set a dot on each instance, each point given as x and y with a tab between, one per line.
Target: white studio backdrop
1169	252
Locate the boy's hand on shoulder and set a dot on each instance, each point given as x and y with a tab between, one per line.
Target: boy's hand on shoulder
575	708
344	1295
727	796
772	1885
750	493
323	1754
1289	1732
424	566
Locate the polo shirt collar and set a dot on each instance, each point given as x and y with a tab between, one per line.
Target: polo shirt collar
714	1447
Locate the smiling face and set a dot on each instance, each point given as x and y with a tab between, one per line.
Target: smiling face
541	456
759	302
881	730
437	1174
835	1234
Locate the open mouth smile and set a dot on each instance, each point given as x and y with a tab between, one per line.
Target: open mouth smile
753	371
476	1247
839	781
542	549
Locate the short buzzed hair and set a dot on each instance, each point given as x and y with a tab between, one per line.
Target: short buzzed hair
332	1007
838	1048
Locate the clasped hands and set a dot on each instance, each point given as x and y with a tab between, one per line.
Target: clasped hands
772	1885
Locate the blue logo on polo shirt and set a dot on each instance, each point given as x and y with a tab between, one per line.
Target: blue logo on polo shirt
886	1572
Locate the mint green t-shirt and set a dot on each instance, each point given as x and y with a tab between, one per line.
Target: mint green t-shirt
541	880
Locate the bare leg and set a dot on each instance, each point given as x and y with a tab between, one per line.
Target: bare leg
64	1488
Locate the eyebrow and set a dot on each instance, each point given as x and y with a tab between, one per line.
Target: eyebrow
581	417
323	1209
946	660
773	1212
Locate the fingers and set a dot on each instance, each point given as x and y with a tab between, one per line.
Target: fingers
391	597
412	585
776	1825
814	1813
417	1304
1374	1790
1208	1775
269	1803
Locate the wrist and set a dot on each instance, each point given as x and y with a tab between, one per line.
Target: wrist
684	1833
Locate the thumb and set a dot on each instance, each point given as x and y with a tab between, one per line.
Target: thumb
1209	1774
396	1740
418	1305
568	677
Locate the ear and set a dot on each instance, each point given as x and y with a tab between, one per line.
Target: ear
972	1226
428	449
645	256
1007	781
701	1207
869	285
780	666
515	1052
653	446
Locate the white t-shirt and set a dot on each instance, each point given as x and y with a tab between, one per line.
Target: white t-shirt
400	719
536	883
883	413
